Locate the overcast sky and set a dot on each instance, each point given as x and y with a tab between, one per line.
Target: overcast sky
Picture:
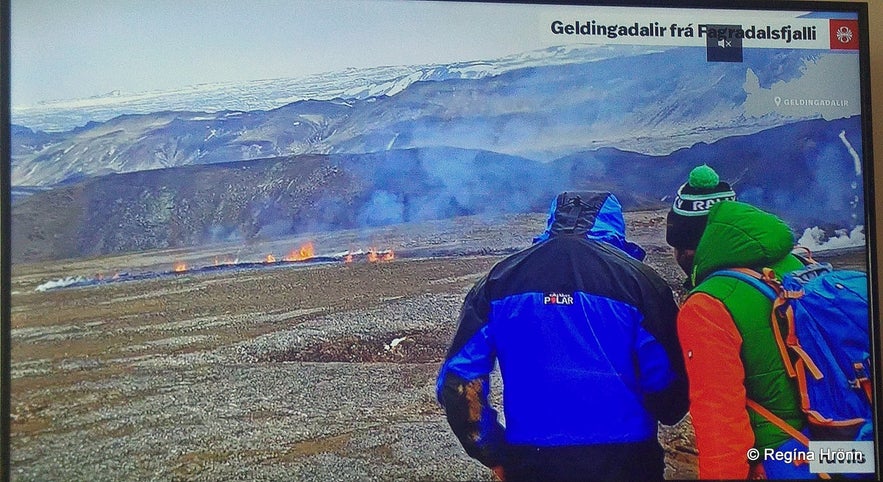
75	49
70	49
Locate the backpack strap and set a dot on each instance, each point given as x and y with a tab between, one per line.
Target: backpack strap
767	284
863	380
805	257
814	416
784	426
751	277
778	422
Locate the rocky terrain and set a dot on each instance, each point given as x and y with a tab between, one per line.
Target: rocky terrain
312	372
321	371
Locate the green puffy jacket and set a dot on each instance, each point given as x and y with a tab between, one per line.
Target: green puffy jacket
740	235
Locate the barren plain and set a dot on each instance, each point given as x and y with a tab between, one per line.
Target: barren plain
304	371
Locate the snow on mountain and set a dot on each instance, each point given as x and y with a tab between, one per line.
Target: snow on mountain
62	115
541	106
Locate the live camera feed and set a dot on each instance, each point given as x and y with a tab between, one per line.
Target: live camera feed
242	233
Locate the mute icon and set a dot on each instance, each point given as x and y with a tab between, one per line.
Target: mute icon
721	48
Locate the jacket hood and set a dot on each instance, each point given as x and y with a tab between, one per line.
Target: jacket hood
595	215
738	234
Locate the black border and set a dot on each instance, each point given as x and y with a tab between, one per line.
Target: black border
5	251
871	229
860	8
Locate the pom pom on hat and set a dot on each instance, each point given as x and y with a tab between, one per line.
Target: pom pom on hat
689	212
703	177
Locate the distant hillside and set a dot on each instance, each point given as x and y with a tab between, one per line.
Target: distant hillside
803	172
637	100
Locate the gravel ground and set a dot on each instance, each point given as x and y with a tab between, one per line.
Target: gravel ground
323	372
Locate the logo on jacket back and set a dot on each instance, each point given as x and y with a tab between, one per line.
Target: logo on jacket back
557	299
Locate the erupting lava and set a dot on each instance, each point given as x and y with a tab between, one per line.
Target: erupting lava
305	252
375	256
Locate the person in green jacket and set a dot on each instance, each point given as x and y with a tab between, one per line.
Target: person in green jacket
729	350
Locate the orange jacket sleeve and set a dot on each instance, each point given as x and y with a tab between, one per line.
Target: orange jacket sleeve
711	346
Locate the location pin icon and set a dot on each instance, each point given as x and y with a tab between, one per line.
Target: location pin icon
778	100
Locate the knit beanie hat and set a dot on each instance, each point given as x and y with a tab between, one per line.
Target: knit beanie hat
689	212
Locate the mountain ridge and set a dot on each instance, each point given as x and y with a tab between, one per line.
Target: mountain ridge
537	111
244	201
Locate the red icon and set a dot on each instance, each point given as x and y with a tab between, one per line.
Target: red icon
844	34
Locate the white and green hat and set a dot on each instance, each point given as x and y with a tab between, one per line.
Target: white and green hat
686	220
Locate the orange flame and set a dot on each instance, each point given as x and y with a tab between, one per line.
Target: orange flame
270	259
180	267
375	255
304	252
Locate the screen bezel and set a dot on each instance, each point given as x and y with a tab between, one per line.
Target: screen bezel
870	212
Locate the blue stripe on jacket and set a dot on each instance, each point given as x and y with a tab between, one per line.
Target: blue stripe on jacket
568	381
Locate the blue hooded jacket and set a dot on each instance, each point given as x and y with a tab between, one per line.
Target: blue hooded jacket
584	334
607	224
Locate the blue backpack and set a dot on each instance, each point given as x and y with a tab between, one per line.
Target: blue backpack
820	321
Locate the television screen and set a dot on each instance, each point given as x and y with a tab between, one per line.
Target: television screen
247	241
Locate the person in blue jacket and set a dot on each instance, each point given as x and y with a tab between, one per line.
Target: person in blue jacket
584	334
